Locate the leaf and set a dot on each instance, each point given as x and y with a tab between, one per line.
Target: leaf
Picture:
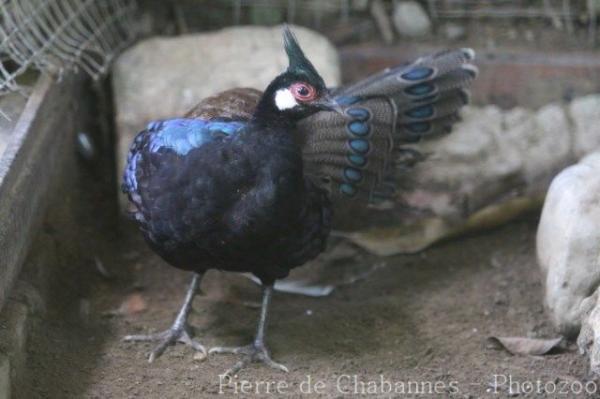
523	345
133	304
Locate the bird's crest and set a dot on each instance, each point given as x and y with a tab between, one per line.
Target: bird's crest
299	64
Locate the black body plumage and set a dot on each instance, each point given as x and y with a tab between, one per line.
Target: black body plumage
238	202
246	181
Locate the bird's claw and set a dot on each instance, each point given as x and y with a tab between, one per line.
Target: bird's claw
251	354
166	338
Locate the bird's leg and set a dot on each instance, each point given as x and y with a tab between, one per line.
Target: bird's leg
256	351
179	331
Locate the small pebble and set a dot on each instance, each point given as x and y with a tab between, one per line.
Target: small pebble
454	31
529	35
85	146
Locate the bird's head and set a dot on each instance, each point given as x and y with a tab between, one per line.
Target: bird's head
299	91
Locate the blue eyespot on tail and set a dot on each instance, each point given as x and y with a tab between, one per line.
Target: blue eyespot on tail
418	73
348	189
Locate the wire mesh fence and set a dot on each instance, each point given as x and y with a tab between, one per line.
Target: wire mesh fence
438	8
562	14
57	35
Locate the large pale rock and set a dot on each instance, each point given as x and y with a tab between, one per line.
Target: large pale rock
165	76
589	337
495	165
493	153
410	19
568	247
568	243
585	113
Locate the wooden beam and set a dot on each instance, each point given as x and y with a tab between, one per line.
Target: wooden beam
29	166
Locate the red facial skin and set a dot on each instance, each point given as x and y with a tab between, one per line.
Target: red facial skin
303	92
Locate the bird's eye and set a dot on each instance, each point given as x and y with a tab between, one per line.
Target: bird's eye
303	91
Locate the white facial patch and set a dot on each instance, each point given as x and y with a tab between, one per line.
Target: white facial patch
284	99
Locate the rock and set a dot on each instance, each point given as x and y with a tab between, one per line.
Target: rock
568	248
529	35
360	5
454	31
590	328
410	19
165	76
568	244
585	113
382	21
494	166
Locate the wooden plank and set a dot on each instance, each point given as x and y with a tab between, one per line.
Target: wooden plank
33	159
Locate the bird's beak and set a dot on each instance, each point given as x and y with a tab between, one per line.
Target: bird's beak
328	103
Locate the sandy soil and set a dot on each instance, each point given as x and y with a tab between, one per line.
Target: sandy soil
420	323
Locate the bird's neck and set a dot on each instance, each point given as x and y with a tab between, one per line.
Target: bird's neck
273	131
266	114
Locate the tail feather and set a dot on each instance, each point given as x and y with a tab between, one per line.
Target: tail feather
417	131
431	111
435	89
360	153
426	69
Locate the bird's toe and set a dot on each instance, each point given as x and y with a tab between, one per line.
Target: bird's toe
251	354
167	338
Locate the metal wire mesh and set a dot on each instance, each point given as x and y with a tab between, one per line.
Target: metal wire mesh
58	35
438	8
562	13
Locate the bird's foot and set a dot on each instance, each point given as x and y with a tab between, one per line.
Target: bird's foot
253	353
168	337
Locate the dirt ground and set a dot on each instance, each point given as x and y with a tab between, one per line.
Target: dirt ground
420	323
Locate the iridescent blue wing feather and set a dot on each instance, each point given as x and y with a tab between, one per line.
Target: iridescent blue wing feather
180	136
